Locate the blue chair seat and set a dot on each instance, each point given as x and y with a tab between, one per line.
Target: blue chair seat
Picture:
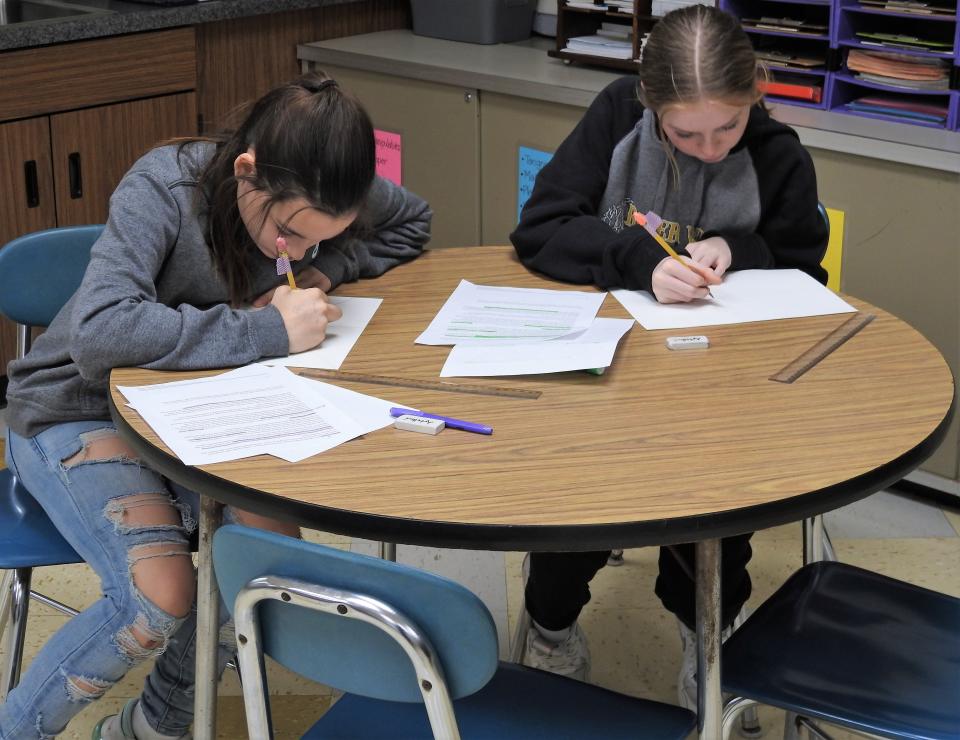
853	648
27	537
542	707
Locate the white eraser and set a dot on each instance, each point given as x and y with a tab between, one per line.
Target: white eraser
422	424
696	342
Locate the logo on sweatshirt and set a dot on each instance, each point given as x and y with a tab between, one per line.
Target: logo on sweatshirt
621	216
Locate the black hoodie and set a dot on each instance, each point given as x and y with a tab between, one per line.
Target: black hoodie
761	198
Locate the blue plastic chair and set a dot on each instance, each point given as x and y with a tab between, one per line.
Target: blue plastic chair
852	648
398	640
38	274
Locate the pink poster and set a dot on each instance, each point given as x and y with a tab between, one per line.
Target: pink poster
389	151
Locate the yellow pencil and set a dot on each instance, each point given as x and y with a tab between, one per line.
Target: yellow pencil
642	221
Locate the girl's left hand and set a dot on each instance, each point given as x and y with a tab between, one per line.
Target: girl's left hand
310	277
713	253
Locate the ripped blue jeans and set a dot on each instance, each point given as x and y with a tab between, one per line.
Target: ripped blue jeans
122	518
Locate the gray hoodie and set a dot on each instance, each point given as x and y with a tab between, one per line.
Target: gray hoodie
151	296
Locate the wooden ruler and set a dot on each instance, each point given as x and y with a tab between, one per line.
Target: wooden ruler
823	347
431	385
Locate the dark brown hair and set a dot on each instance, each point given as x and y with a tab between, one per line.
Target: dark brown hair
311	140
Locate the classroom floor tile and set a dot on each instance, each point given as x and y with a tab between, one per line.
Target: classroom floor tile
892	515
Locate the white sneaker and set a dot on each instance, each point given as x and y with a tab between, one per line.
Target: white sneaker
570	658
687	680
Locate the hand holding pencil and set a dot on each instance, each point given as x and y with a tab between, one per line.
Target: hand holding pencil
683	290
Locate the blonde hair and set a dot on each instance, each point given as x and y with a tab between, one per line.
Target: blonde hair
697	53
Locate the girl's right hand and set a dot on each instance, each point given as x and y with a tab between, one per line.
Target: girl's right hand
306	314
674	283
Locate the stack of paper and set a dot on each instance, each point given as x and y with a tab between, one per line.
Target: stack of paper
600	46
523	331
900	70
255	410
909	108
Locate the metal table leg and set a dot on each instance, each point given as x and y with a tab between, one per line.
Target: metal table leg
208	624
709	700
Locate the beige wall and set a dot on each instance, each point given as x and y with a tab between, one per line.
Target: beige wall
902	252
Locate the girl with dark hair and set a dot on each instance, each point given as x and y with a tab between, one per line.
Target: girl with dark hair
185	276
692	142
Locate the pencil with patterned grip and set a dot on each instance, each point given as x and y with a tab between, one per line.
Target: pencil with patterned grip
283	262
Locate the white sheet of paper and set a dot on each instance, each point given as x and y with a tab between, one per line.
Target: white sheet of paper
248	411
369	412
483	314
341	336
590	348
746	295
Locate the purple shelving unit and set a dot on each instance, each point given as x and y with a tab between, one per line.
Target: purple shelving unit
810	42
847	21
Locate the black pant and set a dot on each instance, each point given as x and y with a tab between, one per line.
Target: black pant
558	586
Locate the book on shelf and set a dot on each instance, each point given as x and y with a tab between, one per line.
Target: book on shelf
788	59
943	84
793	88
902	41
905	108
785	25
920	8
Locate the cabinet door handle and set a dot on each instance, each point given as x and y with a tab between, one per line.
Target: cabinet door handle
33	187
76	175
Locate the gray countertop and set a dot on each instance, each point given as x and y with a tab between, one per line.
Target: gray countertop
524	69
129	17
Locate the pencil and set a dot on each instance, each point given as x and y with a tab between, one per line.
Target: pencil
283	262
642	221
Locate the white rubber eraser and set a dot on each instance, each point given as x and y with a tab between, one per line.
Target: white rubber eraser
695	342
422	424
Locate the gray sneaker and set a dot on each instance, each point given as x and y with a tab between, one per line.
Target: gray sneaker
570	658
687	680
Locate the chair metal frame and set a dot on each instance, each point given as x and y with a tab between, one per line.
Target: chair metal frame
348	605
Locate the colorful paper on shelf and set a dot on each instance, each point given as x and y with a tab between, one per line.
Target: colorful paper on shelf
389	156
529	163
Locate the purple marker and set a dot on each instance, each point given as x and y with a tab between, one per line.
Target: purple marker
466	426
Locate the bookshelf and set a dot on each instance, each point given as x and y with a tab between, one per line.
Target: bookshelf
807	47
623	21
918	86
793	38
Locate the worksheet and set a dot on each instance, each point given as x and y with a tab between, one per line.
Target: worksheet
484	314
254	410
342	334
593	347
745	295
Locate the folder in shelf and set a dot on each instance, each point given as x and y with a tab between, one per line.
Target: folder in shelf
796	90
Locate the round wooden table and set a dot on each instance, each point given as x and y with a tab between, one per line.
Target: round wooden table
665	447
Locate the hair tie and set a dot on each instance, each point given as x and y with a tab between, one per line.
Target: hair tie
317	87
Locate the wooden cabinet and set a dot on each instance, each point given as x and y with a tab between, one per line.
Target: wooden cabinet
93	148
74	117
26	178
242	58
603	33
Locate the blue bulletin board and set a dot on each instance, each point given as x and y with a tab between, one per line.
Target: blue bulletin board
529	163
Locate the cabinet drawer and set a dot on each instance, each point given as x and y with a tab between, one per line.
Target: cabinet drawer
87	73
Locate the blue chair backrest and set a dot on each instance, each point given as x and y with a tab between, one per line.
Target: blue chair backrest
40	271
347	654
